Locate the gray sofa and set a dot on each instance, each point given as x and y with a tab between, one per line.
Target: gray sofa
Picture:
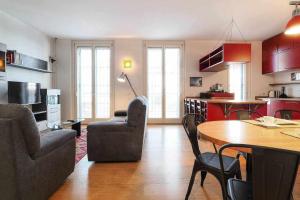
119	140
32	167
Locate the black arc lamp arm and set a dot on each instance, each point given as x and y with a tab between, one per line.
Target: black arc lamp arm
130	85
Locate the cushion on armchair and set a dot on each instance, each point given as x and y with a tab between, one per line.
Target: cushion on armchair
119	140
27	122
54	140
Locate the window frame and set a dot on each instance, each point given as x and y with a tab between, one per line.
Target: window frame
246	75
164	45
94	44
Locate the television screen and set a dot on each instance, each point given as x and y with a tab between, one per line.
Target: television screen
24	93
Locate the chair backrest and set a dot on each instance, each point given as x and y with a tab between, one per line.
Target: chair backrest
190	127
137	112
245	114
287	114
273	171
26	122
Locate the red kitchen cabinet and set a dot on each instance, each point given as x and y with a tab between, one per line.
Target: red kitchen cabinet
296	41
280	53
270	45
289	59
220	58
275	105
283	43
269	62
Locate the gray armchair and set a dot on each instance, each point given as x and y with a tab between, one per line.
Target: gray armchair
119	140
32	167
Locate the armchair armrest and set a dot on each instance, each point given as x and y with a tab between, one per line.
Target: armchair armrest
120	113
53	140
109	126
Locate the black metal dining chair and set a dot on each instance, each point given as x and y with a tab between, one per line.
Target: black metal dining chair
245	114
286	113
273	174
208	161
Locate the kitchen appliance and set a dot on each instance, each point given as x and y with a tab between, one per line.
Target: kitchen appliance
272	94
216	88
3	81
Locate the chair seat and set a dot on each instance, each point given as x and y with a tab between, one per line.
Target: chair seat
239	190
212	160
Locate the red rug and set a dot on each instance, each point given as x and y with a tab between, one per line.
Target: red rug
81	146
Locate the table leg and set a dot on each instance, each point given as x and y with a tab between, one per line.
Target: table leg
249	167
77	128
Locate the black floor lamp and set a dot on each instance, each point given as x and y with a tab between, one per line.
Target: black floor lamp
122	78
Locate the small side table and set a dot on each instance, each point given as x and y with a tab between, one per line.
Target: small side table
74	124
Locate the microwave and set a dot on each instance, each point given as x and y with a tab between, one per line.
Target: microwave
2	59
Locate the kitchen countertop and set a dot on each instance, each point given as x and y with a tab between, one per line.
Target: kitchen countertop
230	101
280	99
227	101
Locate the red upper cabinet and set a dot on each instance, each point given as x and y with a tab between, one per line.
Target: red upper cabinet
269	62
283	42
270	45
280	53
228	53
289	60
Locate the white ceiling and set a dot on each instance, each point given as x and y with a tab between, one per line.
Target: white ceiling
151	19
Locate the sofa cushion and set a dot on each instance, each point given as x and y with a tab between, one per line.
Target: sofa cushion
27	122
53	140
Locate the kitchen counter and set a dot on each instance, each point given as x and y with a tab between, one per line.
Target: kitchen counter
281	99
225	109
239	102
230	101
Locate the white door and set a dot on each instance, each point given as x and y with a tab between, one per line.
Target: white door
93	81
164	73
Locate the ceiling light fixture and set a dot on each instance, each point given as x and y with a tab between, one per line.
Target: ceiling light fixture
293	26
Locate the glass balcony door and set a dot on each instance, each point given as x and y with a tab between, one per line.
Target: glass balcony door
164	67
93	82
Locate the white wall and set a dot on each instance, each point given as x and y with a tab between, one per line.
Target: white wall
194	50
63	77
27	40
258	84
133	49
285	77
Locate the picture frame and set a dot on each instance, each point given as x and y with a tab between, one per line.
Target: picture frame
196	81
295	76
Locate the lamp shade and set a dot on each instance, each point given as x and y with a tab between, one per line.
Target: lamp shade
121	78
293	26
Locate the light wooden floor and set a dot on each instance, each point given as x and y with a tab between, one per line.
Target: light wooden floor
163	173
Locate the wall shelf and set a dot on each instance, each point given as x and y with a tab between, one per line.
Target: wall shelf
276	84
29	68
39	112
19	60
228	53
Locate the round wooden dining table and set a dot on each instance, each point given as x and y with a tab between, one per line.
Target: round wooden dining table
241	132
